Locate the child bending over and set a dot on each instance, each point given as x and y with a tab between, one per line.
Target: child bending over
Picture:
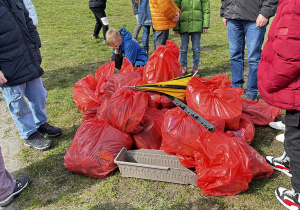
124	46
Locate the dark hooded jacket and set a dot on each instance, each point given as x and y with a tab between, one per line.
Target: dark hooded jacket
248	9
20	56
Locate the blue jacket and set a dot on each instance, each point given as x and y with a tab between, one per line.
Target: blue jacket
20	56
145	18
132	50
135	7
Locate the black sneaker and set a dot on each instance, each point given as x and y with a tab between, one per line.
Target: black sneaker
21	184
49	130
251	97
280	164
289	198
37	141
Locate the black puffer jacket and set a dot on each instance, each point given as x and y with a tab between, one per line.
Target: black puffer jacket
20	56
97	3
248	9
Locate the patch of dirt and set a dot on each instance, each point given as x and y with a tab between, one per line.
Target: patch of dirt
10	143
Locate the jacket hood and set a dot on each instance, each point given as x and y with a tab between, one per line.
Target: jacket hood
126	35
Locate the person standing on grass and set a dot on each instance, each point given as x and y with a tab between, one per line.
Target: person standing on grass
194	20
9	187
135	7
165	15
98	9
246	22
146	20
279	85
20	75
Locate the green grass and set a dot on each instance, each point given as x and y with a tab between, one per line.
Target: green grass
70	54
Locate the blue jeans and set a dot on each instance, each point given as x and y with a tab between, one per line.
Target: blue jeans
185	37
27	116
161	37
238	32
145	38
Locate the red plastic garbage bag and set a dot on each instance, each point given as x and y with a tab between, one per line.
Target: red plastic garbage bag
213	104
259	166
126	67
94	148
125	110
259	113
246	130
117	81
158	100
150	137
220	81
163	64
180	133
84	95
223	167
102	72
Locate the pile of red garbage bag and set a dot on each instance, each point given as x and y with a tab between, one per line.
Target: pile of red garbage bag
117	116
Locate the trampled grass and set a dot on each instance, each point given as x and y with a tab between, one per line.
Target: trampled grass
70	54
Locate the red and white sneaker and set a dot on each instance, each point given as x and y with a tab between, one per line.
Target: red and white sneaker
280	164
289	198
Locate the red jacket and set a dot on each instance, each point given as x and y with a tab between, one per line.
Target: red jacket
279	68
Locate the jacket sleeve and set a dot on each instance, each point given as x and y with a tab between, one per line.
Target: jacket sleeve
268	8
130	52
222	10
168	8
32	28
286	47
206	13
178	4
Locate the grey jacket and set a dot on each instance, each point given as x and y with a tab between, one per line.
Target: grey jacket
248	9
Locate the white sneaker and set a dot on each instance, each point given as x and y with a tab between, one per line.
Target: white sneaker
277	125
280	137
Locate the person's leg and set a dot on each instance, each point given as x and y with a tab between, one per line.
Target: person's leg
292	145
99	12
254	39
118	60
19	109
98	24
154	37
291	198
137	29
195	37
37	95
7	183
162	37
236	40
145	38
184	46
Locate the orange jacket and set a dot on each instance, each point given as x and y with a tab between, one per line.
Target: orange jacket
163	12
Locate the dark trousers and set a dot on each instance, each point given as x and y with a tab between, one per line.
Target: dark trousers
161	37
292	145
118	59
99	12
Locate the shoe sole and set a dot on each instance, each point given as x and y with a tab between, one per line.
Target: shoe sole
284	204
40	149
10	198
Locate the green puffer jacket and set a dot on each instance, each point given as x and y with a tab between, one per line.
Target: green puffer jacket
195	15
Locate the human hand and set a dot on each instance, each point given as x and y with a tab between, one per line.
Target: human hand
116	50
176	18
224	21
261	21
204	30
2	78
176	32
